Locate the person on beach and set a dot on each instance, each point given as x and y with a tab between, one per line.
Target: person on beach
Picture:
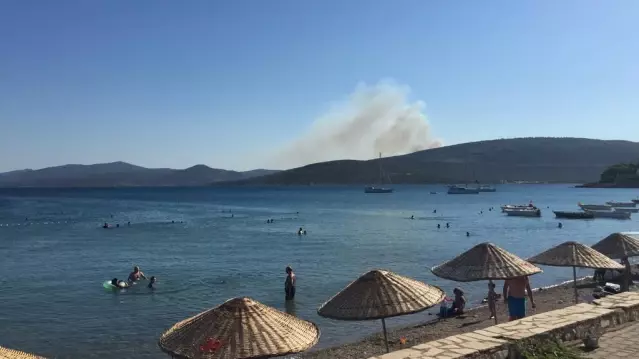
289	284
136	275
492	298
459	303
515	296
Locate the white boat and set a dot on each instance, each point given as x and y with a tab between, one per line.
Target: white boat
621	204
610	214
515	206
521	212
627	209
379	188
462	190
594	207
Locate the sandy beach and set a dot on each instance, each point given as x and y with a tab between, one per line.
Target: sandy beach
546	299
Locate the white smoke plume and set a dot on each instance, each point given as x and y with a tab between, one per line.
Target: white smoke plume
373	119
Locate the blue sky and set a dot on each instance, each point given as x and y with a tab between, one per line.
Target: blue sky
229	84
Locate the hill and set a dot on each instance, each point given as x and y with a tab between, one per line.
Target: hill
560	160
121	174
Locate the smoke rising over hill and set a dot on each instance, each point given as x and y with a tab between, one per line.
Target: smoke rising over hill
373	119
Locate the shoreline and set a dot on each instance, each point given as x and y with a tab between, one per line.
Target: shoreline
548	298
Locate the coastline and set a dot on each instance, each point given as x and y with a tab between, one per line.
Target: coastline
549	298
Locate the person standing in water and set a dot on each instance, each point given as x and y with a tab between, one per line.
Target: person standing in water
515	296
289	284
136	275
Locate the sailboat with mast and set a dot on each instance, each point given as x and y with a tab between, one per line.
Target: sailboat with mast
379	188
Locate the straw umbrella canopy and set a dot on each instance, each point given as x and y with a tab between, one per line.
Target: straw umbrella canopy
620	246
240	328
380	294
6	353
485	261
573	254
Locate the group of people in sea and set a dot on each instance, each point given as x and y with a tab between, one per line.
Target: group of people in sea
134	277
106	225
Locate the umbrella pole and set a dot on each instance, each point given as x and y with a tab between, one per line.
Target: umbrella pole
574	279
385	336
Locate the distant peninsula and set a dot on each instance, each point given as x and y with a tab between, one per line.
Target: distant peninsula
122	174
539	159
621	175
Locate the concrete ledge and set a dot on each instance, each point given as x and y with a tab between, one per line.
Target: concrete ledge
498	342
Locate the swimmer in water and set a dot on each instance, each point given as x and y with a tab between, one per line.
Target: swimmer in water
300	231
106	225
560	225
118	283
412	217
151	282
439	226
467	234
136	275
447	225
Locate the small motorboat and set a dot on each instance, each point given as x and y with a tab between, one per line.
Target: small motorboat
610	214
516	206
523	212
594	207
621	204
573	215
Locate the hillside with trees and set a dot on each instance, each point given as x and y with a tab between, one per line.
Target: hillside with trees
555	160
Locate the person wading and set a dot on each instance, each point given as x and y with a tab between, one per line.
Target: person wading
289	284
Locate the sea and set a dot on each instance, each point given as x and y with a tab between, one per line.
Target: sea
207	245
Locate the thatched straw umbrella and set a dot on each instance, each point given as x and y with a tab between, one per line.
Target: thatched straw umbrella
6	353
620	246
240	328
573	254
380	294
484	261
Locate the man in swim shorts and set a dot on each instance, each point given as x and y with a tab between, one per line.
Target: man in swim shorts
136	275
515	296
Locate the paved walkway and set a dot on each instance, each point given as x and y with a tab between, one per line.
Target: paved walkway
622	343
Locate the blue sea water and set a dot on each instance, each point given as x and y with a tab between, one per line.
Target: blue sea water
54	255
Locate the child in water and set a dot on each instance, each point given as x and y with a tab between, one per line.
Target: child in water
492	299
151	282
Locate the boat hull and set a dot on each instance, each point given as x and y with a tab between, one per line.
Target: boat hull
574	215
595	207
621	204
377	190
487	189
523	212
611	214
462	190
627	210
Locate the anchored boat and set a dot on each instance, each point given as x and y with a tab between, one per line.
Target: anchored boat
574	215
379	188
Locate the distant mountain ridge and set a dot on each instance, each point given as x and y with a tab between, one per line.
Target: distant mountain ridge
544	159
121	174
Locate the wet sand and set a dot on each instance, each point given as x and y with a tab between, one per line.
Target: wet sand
547	299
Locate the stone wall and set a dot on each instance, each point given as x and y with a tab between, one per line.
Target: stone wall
499	341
